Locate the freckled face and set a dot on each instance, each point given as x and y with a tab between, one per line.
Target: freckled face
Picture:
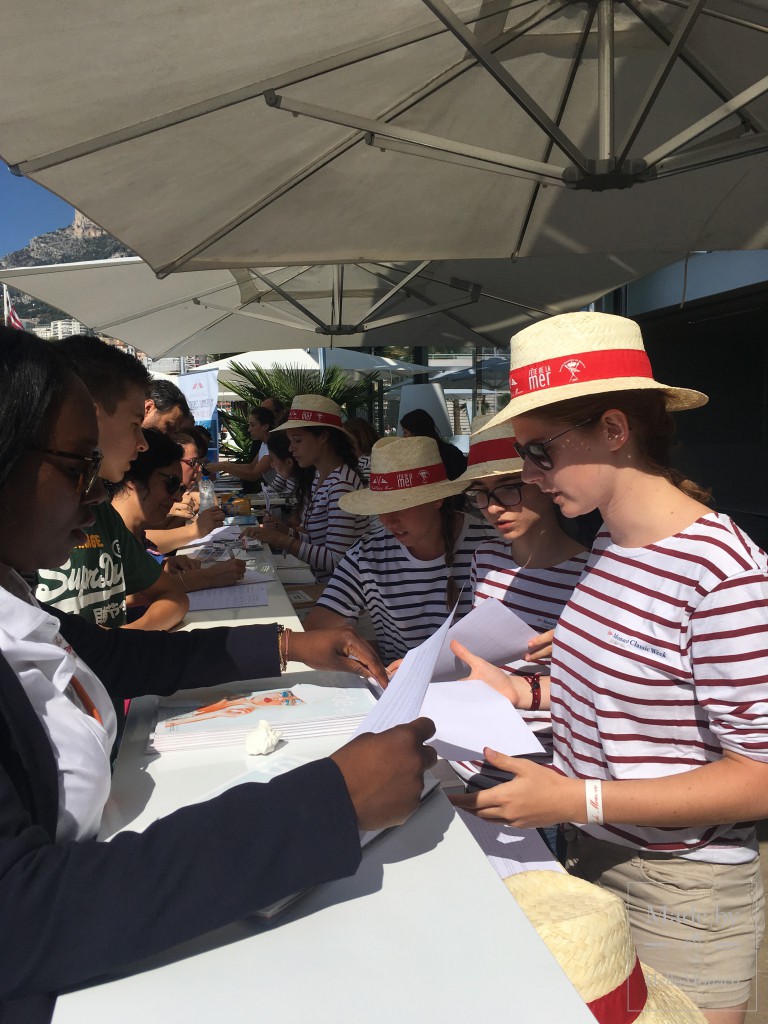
516	520
580	478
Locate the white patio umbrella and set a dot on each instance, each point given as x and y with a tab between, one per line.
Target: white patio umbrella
475	302
489	128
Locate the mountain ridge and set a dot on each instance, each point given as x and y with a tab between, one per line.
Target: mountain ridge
78	242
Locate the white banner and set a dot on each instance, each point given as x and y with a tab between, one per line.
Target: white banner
201	391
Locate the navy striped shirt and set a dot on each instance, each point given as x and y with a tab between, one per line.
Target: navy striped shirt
405	596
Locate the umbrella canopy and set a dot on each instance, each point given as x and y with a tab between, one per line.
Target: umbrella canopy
486	129
475	302
345	359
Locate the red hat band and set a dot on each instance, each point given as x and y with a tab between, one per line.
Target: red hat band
578	369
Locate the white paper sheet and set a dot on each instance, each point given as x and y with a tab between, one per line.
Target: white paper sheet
229	532
249	595
492	631
469	715
510	850
402	699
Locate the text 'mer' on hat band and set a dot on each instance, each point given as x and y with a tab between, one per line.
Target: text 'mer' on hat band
496	450
625	1003
404	479
315	416
578	369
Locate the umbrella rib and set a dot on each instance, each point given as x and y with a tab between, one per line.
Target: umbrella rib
712	81
673	49
256	316
496	69
545	311
289	298
720	16
552	175
709	156
169	119
160	308
554	6
391	293
709	121
418	315
586	28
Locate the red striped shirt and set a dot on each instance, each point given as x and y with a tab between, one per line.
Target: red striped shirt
660	664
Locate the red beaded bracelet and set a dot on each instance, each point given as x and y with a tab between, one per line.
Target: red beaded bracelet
533	680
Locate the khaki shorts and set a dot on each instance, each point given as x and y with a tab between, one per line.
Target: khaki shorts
700	924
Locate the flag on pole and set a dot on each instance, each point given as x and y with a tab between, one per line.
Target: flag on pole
11	317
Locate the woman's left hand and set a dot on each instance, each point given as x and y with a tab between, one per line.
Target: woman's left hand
537	795
516	690
181	563
338	650
275	538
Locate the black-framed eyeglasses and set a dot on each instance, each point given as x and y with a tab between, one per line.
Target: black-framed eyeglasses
506	495
537	452
173	483
91	466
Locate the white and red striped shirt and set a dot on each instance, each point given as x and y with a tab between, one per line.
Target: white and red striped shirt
326	530
538	596
660	663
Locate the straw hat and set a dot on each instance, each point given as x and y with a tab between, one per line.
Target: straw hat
405	471
313	411
578	354
586	929
492	452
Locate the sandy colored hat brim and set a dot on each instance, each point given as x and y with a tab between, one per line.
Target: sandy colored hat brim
303	424
313	403
512	466
586	928
486	469
300	424
676	399
401	458
366	502
577	355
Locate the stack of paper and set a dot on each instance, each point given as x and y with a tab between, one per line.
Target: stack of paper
240	595
299	712
468	714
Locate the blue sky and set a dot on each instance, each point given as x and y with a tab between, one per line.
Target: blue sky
26	210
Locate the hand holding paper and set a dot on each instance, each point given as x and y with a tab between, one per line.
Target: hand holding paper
385	773
537	795
513	687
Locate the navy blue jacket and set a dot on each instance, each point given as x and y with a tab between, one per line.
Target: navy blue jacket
72	912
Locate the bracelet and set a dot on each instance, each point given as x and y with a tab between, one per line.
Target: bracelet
282	645
534	681
594	795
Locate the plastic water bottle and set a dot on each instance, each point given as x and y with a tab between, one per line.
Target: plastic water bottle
207	492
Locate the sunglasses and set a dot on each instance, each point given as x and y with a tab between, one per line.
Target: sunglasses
537	451
506	495
91	465
173	483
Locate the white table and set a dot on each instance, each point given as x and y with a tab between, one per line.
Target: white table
425	931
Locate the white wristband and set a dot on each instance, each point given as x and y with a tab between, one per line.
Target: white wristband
594	795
